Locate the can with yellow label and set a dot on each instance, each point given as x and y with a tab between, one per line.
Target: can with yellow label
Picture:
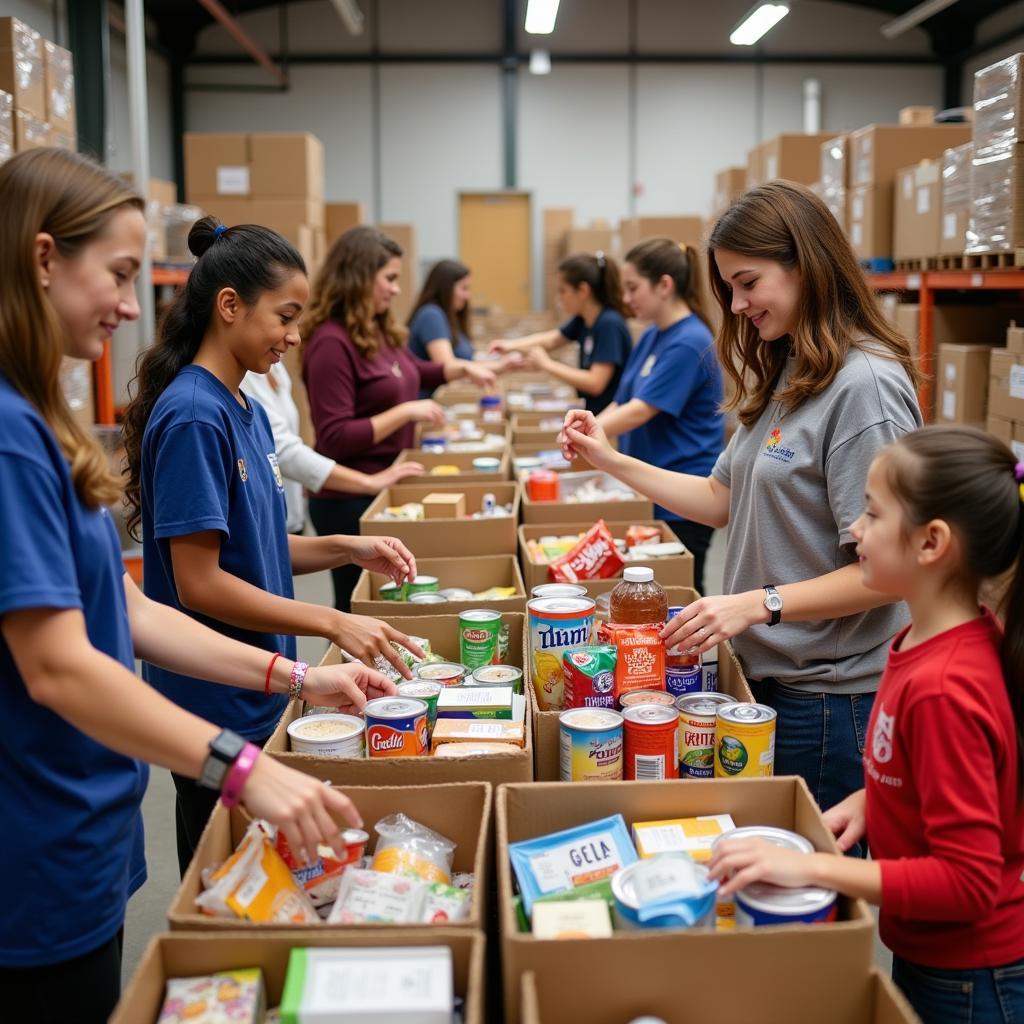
590	745
744	741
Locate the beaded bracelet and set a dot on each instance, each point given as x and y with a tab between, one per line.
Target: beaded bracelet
298	677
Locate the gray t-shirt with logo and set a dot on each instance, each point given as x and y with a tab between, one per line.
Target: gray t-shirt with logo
796	486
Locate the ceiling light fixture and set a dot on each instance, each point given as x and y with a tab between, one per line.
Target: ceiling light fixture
540	62
540	17
761	19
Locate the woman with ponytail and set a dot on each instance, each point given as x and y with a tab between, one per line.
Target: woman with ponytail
206	487
589	292
77	723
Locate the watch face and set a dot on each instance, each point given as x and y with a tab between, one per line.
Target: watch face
773	603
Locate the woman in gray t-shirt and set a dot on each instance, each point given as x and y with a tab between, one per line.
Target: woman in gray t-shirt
821	382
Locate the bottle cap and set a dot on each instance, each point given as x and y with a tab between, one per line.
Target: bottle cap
638	574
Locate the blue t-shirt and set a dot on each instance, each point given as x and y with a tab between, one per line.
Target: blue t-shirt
72	846
607	340
677	372
428	324
209	464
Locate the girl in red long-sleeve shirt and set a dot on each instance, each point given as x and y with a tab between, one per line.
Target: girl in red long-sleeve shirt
943	803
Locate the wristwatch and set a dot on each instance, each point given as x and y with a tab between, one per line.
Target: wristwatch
224	749
773	602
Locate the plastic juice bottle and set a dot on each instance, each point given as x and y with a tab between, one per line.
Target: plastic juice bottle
638	599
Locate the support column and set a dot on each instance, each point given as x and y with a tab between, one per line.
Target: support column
510	93
89	42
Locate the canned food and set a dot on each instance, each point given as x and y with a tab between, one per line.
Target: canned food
328	735
744	740
542	485
650	742
498	675
698	715
762	904
631	700
425	690
487	464
556	623
590	745
396	727
421	585
447	673
683	671
457	594
433	442
504	637
589	674
427	597
779	836
559	590
391	592
479	637
667	891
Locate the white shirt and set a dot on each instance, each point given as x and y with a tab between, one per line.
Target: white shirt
300	465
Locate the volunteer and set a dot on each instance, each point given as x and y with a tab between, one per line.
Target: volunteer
302	466
822	382
362	380
76	717
589	291
205	485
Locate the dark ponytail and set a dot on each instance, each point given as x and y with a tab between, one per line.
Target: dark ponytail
249	259
660	257
601	274
968	479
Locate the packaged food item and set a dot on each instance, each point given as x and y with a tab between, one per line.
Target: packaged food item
571	919
456	593
328	735
493	594
542	485
479	702
639	656
406	847
698	715
683	669
668	891
594	557
425	690
479	630
590	745
498	675
555	625
637	697
744	740
391	591
320	880
255	884
445	469
693	836
227	997
650	743
765	904
461	730
559	590
371	896
443	904
447	673
422	585
482	748
642	535
486	464
428	597
396	727
638	600
589	675
575	856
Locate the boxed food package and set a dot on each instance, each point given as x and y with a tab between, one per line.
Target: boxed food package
956	198
878	151
21	66
59	80
917	211
962	384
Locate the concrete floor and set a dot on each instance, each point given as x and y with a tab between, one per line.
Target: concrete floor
147	909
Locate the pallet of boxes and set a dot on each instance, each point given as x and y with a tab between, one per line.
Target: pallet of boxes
1006	392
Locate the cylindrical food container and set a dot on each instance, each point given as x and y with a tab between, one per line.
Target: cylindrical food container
391	592
662	697
447	673
422	585
779	836
556	623
498	675
590	745
762	904
330	735
650	743
744	740
542	485
559	590
487	464
427	597
479	637
457	594
698	715
396	727
425	690
674	890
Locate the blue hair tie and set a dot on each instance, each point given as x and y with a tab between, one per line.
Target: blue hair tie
219	230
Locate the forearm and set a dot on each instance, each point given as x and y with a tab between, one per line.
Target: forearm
314	554
860	879
584	381
386	423
621	419
832	596
349	481
549	340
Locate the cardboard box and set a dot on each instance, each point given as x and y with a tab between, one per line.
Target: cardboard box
77	385
59	86
184	956
287	166
443	633
476	574
779	993
917	116
29	132
444	505
1014	337
1006	386
878	151
730	184
834	167
673	570
832	953
464	460
405	236
793	157
216	164
284	215
871	222
588	240
563	511
1010	432
999	105
956	198
524	434
755	174
917	207
339	217
556	222
528	451
683	230
460	811
962	385
462	538
21	66
954	324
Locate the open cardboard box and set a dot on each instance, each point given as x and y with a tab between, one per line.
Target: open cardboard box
779	993
461	811
476	574
535	435
831	954
669	571
186	956
526	451
443	633
464	460
457	394
531	419
565	511
501	430
447	538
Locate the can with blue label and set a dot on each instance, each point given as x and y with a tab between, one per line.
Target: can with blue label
761	904
666	891
683	670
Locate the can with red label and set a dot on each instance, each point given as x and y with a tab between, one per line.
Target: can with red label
650	742
396	727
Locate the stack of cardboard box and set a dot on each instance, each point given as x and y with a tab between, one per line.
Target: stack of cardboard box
556	224
956	199
917	211
835	177
962	384
791	157
684	230
730	184
59	85
1006	391
339	217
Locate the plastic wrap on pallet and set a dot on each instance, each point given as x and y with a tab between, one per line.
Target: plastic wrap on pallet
60	84
998	106
956	176
6	126
28	55
835	200
833	164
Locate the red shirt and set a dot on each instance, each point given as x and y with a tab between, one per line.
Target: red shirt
346	389
943	818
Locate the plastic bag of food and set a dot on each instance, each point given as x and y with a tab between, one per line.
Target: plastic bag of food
444	904
320	880
642	535
406	847
595	557
371	896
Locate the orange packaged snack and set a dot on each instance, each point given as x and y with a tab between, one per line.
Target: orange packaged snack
595	557
641	535
640	656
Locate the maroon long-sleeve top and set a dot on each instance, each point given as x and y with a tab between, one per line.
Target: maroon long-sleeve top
346	389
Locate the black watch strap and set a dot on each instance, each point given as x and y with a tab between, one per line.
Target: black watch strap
224	750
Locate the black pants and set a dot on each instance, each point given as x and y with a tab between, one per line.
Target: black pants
340	515
697	538
84	990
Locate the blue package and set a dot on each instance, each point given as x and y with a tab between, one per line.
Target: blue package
564	860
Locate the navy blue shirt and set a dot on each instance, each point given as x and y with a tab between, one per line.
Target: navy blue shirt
210	464
677	372
429	323
607	340
72	846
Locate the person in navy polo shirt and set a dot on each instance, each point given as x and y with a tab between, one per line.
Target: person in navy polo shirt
77	723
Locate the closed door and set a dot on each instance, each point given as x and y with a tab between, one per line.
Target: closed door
494	242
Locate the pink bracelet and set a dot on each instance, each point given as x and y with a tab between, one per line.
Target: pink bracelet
238	773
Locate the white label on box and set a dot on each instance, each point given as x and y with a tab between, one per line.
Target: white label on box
857	208
949	226
857	234
1017	381
590	858
949	405
771	168
950	373
485	730
924	202
977	280
1017	448
914	282
908	186
232	181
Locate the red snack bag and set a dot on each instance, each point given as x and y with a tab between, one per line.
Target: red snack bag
641	535
595	557
640	656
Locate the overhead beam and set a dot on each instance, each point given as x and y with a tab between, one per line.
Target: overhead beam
219	13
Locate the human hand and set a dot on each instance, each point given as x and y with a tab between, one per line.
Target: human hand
706	623
581	434
386	555
394	474
537	358
425	410
847	821
499	346
509	361
345	687
365	639
739	862
482	376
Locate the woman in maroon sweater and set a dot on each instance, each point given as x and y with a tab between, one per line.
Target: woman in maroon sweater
362	381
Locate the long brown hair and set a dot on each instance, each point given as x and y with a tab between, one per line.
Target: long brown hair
968	479
439	290
600	273
72	199
660	257
343	291
787	223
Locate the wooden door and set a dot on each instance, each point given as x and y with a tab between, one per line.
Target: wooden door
494	242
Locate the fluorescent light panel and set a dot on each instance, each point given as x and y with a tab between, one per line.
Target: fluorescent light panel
540	17
760	20
540	62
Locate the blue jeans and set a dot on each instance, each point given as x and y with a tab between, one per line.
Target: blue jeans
819	736
985	995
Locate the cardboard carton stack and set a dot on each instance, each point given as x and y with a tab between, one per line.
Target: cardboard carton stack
956	199
962	384
917	211
59	84
339	217
730	184
997	206
6	126
835	177
792	157
1006	391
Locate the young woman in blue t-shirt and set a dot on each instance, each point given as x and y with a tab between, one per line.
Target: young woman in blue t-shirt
77	723
205	484
439	323
589	291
